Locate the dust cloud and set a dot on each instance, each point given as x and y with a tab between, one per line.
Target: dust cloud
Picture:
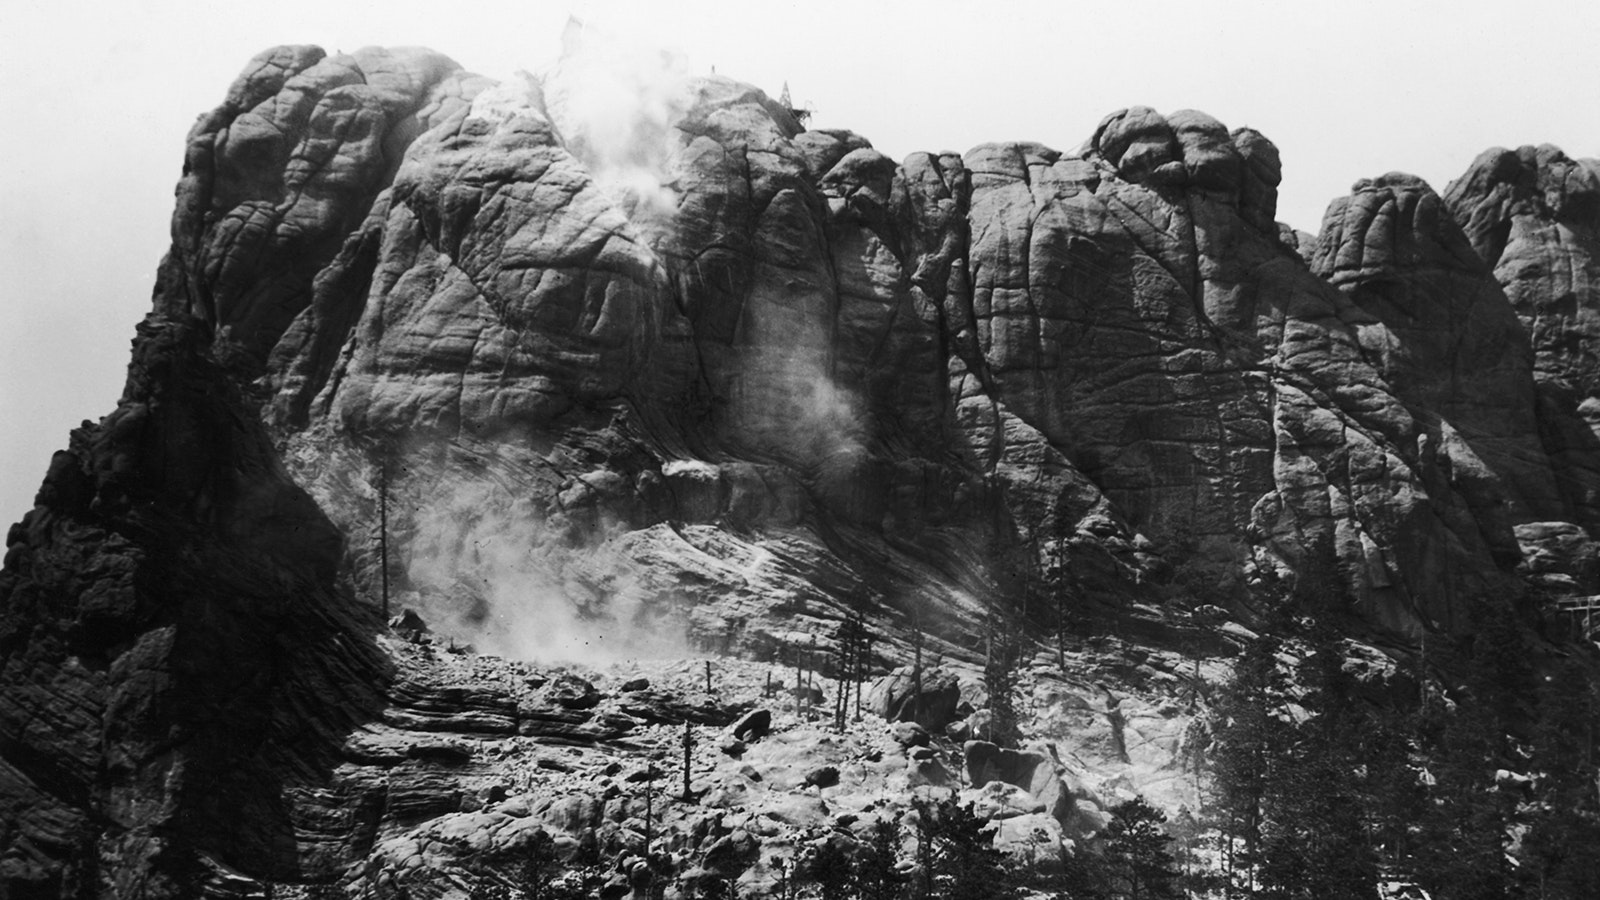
491	570
614	103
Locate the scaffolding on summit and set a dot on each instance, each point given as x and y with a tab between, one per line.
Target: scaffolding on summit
801	114
1580	611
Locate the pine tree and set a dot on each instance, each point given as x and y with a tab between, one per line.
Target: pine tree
537	875
831	871
1561	850
1001	680
876	874
850	641
716	887
1461	838
1138	863
956	848
1084	876
1249	739
1314	836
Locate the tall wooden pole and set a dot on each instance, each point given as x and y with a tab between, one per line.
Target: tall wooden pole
688	745
649	807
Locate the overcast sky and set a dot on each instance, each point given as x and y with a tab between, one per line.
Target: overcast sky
97	98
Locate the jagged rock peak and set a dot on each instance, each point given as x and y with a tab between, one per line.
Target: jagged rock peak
1188	148
285	168
1540	181
1387	224
1534	215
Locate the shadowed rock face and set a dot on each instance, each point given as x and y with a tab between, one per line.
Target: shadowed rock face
782	378
174	655
1533	216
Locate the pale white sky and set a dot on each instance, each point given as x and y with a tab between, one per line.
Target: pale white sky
97	98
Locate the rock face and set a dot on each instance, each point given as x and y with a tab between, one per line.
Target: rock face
718	388
175	657
1533	216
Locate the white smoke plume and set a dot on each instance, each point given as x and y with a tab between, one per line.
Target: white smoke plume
614	103
490	570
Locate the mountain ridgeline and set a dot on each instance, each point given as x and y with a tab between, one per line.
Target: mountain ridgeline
426	341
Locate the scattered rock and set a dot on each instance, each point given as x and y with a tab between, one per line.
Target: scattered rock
1034	838
909	734
754	725
409	625
808	695
661	708
999	800
928	772
1033	771
572	692
732	854
824	777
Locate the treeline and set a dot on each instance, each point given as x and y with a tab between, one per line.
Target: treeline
1481	785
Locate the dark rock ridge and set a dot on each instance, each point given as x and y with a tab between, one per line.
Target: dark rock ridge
1533	216
175	653
788	379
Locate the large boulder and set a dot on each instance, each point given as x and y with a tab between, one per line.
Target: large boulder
926	697
1036	771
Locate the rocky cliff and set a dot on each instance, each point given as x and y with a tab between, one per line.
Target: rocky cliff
714	385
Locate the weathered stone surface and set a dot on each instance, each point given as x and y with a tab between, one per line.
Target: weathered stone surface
284	171
1559	556
927	698
754	725
1059	326
822	777
176	661
1533	215
999	800
666	708
1450	344
1035	838
1035	771
909	734
571	692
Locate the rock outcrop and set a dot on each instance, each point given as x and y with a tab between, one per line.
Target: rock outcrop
1533	216
422	338
178	666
